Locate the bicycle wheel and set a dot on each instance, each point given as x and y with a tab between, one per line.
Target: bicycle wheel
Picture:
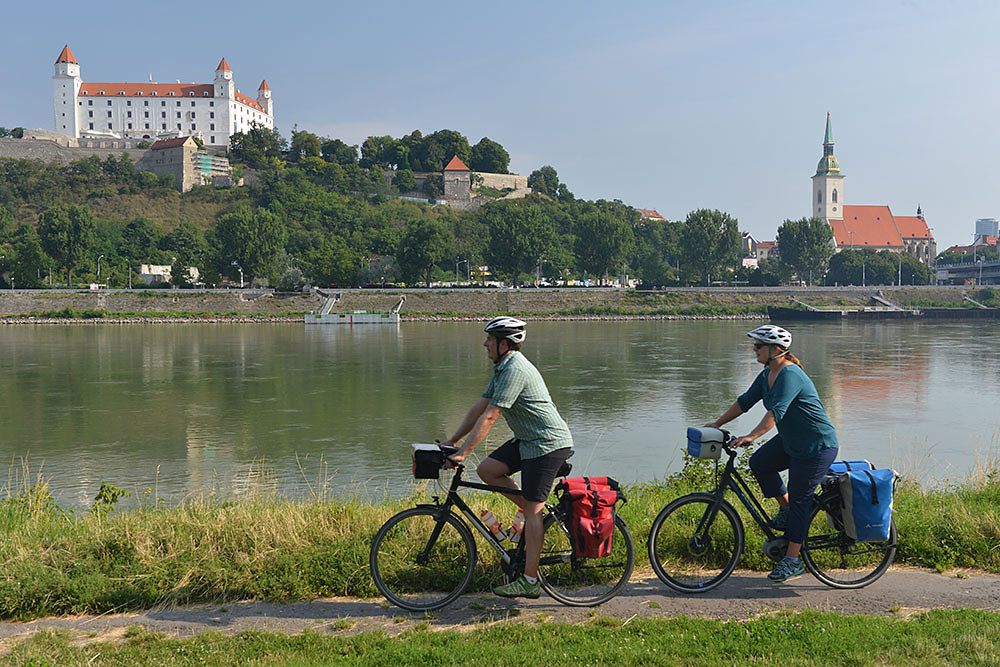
840	562
421	562
690	551
584	582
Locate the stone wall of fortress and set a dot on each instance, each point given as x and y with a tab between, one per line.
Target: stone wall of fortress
49	151
501	181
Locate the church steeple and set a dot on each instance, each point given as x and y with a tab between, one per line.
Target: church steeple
828	182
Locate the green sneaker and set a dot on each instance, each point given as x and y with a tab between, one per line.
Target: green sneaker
780	520
786	569
519	588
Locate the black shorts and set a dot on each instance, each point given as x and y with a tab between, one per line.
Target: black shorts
537	474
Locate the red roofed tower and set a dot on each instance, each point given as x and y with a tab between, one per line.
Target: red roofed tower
66	84
457	180
264	99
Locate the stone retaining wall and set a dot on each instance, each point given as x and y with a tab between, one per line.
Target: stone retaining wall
50	151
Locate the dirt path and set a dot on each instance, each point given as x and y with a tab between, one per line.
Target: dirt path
746	594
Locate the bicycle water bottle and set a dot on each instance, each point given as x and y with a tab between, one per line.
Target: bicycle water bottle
493	525
517	528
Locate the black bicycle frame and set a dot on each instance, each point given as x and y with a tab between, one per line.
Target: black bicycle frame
453	499
732	480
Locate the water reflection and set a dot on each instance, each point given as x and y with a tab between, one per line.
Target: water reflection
191	408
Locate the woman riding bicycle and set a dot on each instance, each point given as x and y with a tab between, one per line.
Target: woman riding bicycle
541	442
806	443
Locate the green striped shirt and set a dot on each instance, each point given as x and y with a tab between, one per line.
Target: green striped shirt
518	388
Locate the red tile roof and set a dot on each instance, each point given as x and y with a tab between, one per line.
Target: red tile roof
872	227
264	86
767	245
66	56
168	143
912	227
456	165
650	214
249	101
223	65
146	90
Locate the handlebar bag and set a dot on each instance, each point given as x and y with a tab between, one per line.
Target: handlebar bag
589	507
866	503
705	443
427	461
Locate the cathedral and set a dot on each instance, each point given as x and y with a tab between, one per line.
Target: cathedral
211	112
856	226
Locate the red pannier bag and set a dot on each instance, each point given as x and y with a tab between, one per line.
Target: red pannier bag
589	506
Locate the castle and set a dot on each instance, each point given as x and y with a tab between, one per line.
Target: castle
865	226
150	111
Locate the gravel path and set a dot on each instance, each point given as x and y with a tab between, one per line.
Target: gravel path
744	595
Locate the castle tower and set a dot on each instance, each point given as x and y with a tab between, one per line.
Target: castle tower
828	182
66	84
457	180
225	93
264	99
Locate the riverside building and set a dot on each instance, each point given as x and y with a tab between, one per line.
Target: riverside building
210	111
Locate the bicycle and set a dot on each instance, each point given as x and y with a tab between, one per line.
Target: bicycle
696	540
424	557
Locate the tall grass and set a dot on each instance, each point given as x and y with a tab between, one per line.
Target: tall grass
258	545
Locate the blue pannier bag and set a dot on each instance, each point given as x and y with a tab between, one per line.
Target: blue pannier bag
705	443
866	502
840	467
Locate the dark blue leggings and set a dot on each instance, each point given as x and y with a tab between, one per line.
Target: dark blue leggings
804	476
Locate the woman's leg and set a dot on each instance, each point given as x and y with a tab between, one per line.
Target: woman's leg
765	463
804	475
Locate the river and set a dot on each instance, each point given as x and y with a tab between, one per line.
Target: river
167	411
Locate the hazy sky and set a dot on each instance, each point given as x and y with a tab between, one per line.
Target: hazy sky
666	105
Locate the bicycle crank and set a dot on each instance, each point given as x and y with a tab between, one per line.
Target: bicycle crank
775	549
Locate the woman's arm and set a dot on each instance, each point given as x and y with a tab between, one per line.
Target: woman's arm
729	415
765	425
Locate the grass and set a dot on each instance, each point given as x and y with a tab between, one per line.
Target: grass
940	637
98	313
267	547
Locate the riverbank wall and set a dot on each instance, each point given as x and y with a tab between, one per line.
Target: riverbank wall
432	304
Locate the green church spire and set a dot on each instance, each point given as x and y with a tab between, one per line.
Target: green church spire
828	164
829	130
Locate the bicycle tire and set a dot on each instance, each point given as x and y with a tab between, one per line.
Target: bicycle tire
584	582
450	561
840	562
688	565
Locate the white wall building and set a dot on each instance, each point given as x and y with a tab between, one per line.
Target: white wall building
209	111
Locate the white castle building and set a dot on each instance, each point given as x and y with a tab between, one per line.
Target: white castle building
209	111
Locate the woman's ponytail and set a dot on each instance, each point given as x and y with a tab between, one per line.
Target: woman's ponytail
792	358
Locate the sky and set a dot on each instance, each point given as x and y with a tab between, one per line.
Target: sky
672	106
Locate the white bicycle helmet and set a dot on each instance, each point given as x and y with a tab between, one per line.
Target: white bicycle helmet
510	328
772	335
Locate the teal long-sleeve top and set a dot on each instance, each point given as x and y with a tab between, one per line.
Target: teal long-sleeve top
802	423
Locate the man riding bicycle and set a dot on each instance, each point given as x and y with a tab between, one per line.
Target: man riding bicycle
541	444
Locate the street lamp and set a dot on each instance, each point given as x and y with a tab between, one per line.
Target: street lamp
240	269
99	257
458	262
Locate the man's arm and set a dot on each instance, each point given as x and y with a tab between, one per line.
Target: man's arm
470	420
479	431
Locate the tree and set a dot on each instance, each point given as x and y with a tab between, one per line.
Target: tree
806	247
140	239
520	234
404	180
489	156
437	148
66	235
31	260
305	144
257	146
378	152
250	238
544	181
187	243
335	150
710	243
425	243
604	238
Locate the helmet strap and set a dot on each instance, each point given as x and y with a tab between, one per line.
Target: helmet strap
772	357
500	357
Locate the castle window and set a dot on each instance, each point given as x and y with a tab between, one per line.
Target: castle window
178	126
145	103
191	95
163	126
139	94
171	93
147	126
130	126
205	94
101	92
178	102
146	114
90	103
211	104
192	126
128	103
129	114
835	196
109	102
212	139
819	197
90	114
192	114
121	92
163	103
211	114
91	126
109	126
178	114
109	114
163	114
153	93
192	103
212	127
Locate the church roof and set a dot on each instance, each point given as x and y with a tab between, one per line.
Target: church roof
66	56
866	227
912	227
264	86
223	66
456	165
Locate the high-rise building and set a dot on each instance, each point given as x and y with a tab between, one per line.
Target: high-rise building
987	227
